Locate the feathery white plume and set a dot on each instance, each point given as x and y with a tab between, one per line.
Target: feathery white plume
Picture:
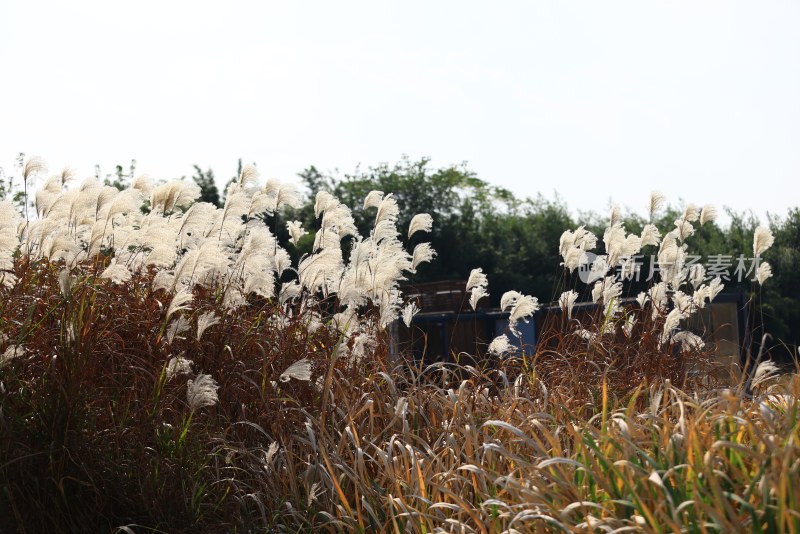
176	328
142	183
690	213
683	302
709	214
656	203
477	284
373	199
178	365
287	195
409	311
179	301
299	370
117	273
201	392
616	217
688	341
323	202
420	222
762	240
387	209
248	176
567	301
205	321
683	229
764	271
597	291
670	325
34	165
363	345
423	253
525	307
714	288
296	231
650	235
501	346
508	299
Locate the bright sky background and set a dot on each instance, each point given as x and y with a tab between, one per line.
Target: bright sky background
594	100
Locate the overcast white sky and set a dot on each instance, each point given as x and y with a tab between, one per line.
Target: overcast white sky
595	100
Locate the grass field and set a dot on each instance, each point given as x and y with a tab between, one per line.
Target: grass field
171	370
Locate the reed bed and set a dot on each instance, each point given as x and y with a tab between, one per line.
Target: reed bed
171	370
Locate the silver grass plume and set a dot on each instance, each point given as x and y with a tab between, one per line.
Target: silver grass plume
764	271
423	253
248	176
501	346
117	273
715	287
373	199
178	365
66	282
657	200
299	370
650	235
762	240
179	302
176	328
683	302
567	301
420	222
477	284
143	184
708	214
509	299
296	231
33	166
690	214
205	321
409	311
615	218
201	392
323	202
671	323
525	307
363	345
289	291
282	194
688	341
387	209
683	229
574	258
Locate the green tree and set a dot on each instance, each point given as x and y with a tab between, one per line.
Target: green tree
118	178
208	187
